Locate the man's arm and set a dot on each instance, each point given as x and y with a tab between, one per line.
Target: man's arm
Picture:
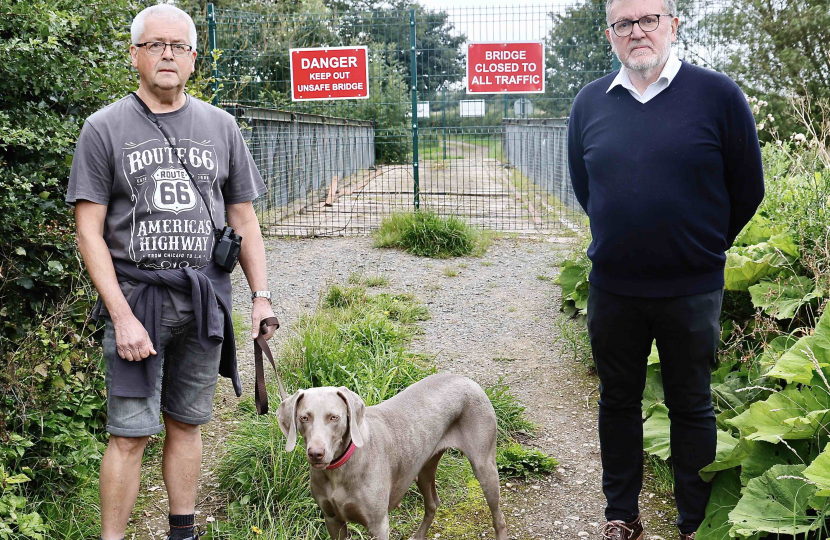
131	338
744	172
576	158
242	218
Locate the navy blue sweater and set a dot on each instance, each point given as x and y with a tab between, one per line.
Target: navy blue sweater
667	184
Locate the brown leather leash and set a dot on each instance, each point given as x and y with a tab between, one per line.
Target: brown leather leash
260	345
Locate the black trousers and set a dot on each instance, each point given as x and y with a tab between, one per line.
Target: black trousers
687	331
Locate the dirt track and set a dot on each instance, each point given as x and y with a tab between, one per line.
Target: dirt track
494	319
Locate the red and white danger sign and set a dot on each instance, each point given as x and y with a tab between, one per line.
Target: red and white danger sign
329	73
506	68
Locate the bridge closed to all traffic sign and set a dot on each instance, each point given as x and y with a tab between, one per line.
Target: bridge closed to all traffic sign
506	68
329	73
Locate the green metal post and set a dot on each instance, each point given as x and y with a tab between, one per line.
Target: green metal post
414	80
505	105
211	17
444	121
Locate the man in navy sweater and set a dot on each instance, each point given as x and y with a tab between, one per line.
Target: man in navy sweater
665	160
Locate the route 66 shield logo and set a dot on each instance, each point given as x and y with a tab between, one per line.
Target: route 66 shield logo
173	191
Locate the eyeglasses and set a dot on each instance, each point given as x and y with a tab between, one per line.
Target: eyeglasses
648	23
156	48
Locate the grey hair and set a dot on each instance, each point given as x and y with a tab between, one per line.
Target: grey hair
669	6
162	11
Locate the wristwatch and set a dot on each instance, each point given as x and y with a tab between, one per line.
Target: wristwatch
261	294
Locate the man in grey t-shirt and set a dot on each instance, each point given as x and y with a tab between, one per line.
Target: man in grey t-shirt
142	223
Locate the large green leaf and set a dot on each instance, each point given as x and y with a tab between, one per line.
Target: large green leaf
796	365
759	229
783	298
653	392
790	414
726	492
656	432
736	392
776	502
730	453
819	472
573	278
784	242
742	272
654	356
763	455
657	440
571	275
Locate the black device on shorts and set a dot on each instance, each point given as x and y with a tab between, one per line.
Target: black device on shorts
228	243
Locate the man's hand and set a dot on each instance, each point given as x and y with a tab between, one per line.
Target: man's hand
261	310
132	340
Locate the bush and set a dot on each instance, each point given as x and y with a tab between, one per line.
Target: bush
46	45
428	235
52	423
62	61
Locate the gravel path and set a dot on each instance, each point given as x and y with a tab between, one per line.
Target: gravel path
494	319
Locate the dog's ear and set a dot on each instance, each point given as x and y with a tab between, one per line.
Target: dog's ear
355	407
287	418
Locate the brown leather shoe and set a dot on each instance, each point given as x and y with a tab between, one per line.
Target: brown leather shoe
620	530
690	536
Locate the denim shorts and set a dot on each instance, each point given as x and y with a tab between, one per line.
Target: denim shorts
183	391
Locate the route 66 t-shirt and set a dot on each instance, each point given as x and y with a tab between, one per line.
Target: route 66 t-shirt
156	219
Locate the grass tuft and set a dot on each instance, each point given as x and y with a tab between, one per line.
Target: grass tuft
516	461
340	297
450	271
428	235
375	280
510	414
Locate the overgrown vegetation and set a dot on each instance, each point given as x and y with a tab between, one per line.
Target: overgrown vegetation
356	340
770	388
429	235
61	61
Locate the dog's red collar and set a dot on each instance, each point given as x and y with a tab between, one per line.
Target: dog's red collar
339	462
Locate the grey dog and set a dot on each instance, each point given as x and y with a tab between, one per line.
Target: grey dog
383	449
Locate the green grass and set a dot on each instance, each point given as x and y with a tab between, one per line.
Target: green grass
510	413
437	152
573	334
662	475
375	280
493	144
356	340
74	516
450	271
543	277
428	235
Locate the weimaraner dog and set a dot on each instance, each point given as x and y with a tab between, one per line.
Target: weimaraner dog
365	458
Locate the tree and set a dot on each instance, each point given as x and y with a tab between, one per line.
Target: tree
776	49
578	52
61	61
440	58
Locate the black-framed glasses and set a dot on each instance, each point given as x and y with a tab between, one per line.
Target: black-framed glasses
647	23
156	48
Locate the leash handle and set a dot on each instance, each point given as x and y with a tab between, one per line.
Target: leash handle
260	346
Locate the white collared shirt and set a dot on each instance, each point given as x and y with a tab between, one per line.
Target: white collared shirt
666	77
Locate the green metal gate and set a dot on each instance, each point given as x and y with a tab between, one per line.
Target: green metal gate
339	167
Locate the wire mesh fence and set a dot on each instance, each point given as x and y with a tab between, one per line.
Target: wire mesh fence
498	161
